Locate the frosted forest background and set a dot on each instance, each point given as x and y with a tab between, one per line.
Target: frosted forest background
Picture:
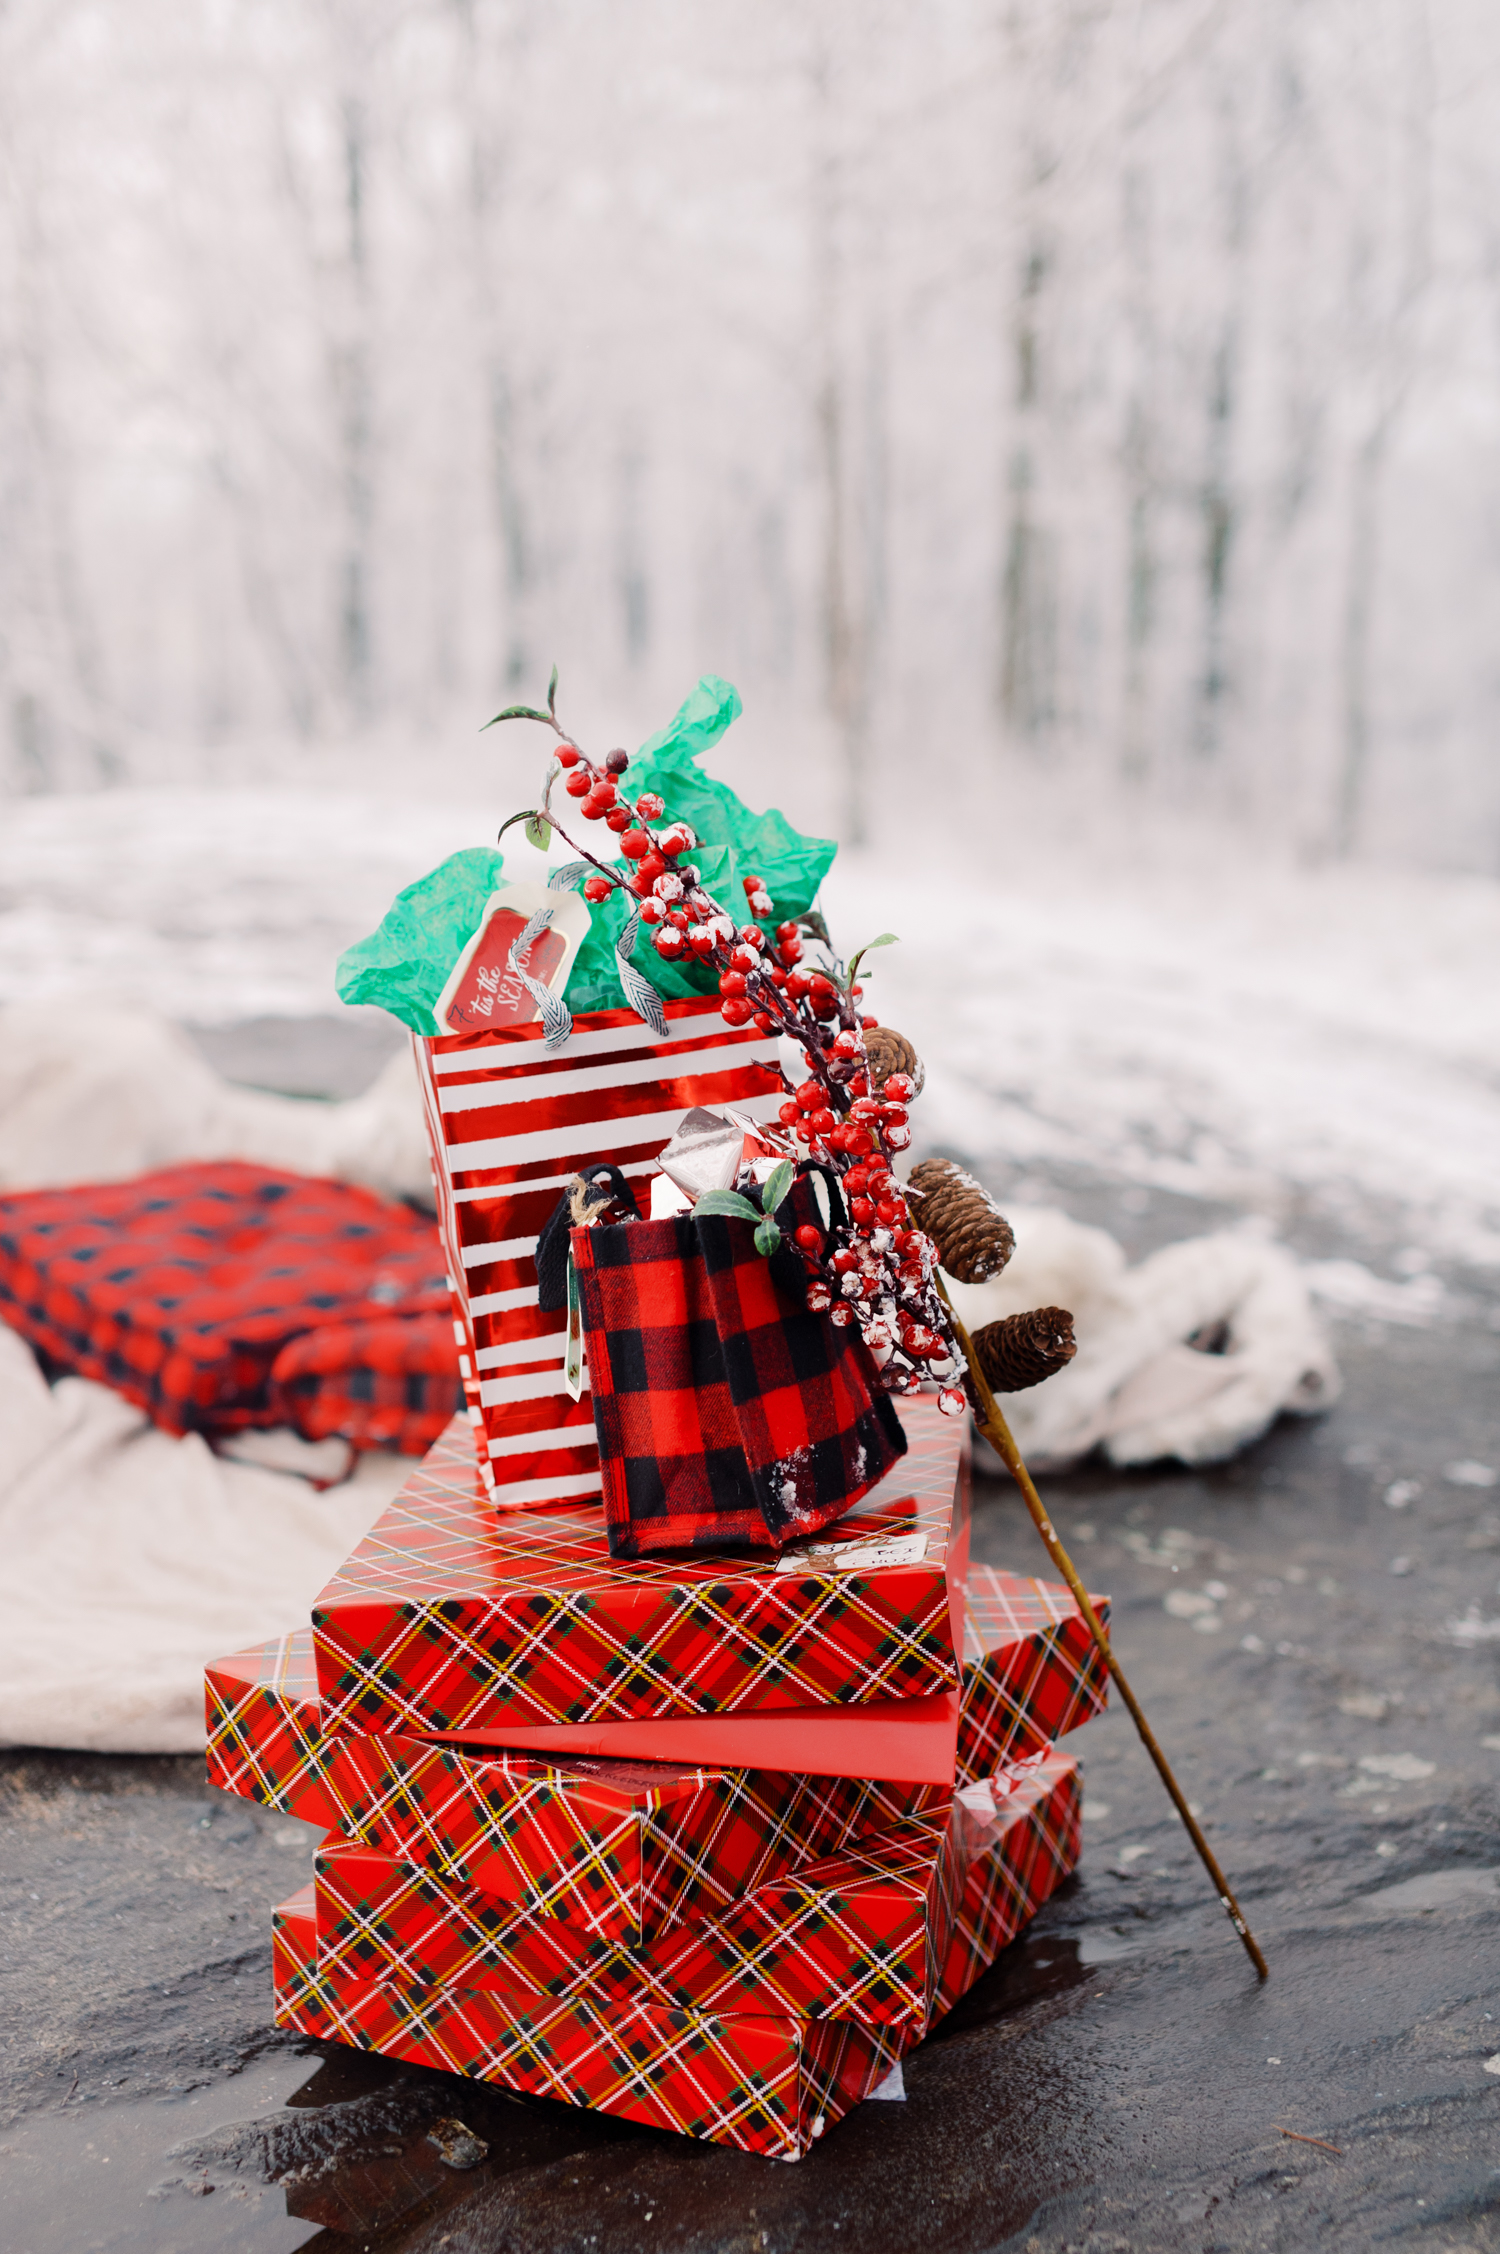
1088	398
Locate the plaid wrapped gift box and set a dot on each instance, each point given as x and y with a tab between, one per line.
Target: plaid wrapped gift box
453	1620
627	1850
858	1935
510	1125
766	2083
181	1288
622	1850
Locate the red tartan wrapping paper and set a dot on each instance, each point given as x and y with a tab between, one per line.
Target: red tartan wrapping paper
1024	1840
766	2083
510	1125
1031	1669
626	1850
450	1619
859	1935
623	1850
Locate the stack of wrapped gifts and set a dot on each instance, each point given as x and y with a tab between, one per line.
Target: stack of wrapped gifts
706	1841
674	1759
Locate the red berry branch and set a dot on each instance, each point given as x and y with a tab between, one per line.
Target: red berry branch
875	1268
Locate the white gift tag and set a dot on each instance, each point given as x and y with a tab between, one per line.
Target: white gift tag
573	1359
853	1557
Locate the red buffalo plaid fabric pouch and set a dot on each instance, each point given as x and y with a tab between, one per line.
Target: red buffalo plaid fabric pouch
726	1413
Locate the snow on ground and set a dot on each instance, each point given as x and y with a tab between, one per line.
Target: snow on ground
1180	1018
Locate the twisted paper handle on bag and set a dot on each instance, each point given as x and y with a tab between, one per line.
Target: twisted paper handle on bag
997	1432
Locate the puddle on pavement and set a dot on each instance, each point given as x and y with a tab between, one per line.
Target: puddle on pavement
1035	1966
308	2151
86	2177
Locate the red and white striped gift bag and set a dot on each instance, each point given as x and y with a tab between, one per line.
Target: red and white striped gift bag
511	1124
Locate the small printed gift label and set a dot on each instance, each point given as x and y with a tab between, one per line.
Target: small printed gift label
853	1557
484	988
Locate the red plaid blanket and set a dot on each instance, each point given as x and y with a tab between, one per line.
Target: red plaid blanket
182	1289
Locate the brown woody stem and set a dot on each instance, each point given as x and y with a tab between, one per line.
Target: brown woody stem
997	1432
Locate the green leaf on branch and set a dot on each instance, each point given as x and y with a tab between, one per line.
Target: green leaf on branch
552	694
539	832
519	712
767	1238
778	1182
528	814
729	1203
886	939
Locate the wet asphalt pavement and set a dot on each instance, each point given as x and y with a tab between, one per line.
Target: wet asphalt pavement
1314	1632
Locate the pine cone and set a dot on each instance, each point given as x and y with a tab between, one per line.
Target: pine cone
888	1052
971	1233
1024	1349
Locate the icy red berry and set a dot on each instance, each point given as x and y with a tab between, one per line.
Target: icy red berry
898	1088
635	845
652	911
736	1010
810	1239
732	982
650	807
567	755
578	784
597	888
862	1212
619	818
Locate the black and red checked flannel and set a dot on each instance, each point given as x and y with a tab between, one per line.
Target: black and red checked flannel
725	1411
390	1382
180	1289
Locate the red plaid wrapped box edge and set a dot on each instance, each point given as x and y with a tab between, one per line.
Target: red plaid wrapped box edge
510	1124
1024	1839
859	1935
450	1618
626	1850
768	2084
1032	1671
